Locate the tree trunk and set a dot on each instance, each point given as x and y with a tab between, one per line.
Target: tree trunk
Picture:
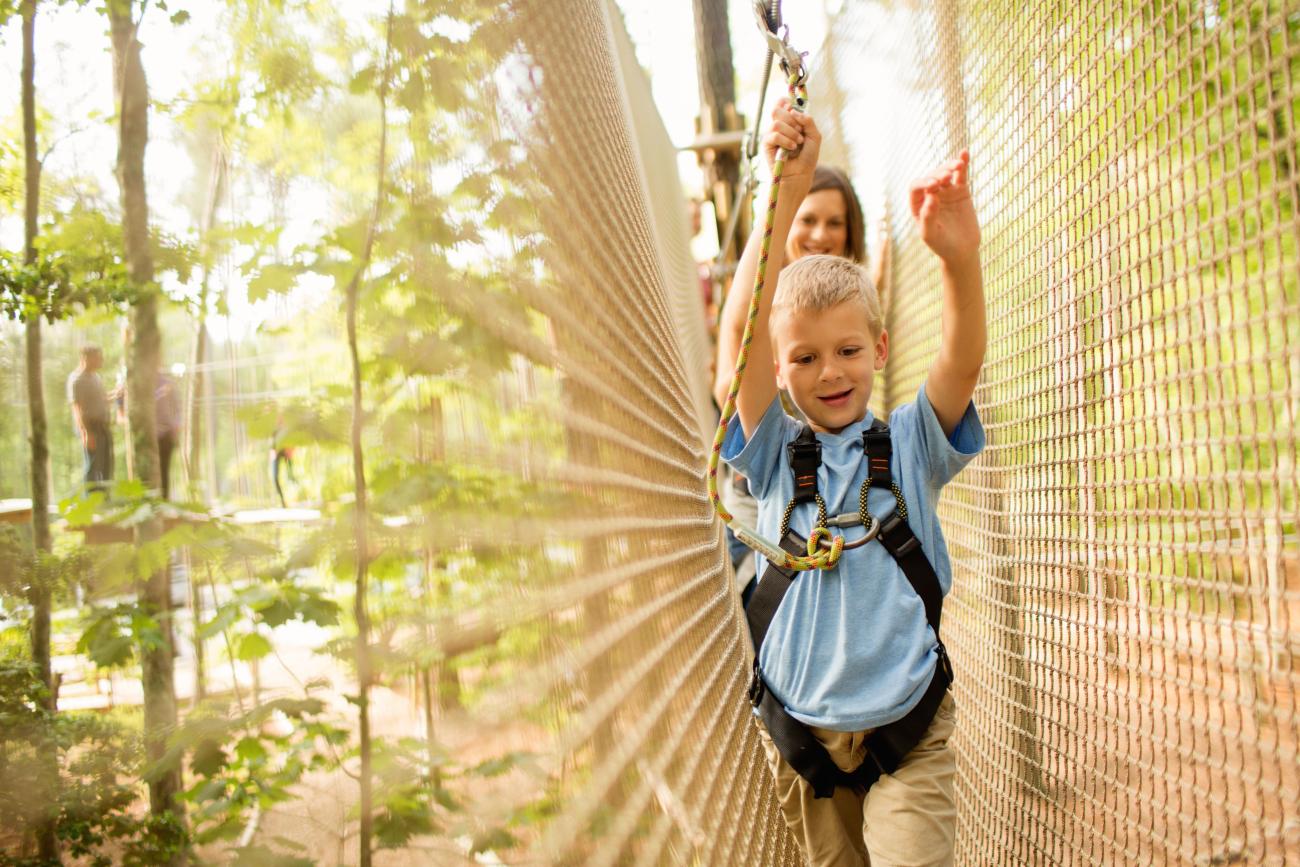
713	44
360	509
46	842
718	114
158	674
361	540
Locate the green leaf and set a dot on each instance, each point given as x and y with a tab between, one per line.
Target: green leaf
80	511
278	611
446	799
475	187
180	17
318	610
252	646
129	489
289	843
105	641
499	765
295	708
224	618
272	278
497	838
147	631
411	93
111	651
260	856
244	546
401	818
511	213
251	749
363	81
209	758
152	557
208	790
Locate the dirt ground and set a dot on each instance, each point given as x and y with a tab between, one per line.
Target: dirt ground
321	821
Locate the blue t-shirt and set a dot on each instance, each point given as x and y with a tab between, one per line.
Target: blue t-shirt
849	648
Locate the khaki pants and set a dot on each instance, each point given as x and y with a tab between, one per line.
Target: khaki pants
907	819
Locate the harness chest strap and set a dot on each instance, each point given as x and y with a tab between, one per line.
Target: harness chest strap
889	744
805	456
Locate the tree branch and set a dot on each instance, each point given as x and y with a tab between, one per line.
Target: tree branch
360	508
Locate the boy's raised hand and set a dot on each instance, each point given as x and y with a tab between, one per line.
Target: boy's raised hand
945	214
797	134
945	217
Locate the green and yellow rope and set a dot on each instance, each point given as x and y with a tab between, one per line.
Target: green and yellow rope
818	558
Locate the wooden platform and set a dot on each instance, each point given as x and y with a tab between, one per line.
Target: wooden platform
276	516
15	511
19	511
106	534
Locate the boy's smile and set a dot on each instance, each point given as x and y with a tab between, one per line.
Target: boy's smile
839	398
827	360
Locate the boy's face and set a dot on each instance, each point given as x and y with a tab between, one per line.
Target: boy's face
827	361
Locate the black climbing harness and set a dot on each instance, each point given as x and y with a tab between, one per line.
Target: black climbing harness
888	745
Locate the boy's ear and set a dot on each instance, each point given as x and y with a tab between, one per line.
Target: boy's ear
776	371
882	349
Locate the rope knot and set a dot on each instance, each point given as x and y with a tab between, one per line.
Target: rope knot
818	557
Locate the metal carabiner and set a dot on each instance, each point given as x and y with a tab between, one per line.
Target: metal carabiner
873	530
748	153
848	519
779	44
760	8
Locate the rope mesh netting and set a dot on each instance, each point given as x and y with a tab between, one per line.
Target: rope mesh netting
612	645
1127	581
1126	597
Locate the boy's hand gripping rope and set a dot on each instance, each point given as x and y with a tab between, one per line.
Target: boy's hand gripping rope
818	557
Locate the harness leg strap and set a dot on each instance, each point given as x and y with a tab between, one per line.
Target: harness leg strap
796	743
801	749
890	744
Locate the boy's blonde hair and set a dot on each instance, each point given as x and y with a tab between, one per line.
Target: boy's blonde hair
820	282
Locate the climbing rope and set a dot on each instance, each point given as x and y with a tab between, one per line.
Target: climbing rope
819	556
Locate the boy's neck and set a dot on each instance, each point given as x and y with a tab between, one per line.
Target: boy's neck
834	431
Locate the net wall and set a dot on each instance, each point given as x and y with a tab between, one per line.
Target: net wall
1126	605
594	623
667	207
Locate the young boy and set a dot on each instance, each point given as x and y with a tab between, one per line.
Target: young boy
850	667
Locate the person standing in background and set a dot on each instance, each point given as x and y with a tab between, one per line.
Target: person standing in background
91	416
167	421
281	456
167	418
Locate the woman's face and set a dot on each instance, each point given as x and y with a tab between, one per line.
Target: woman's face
820	226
